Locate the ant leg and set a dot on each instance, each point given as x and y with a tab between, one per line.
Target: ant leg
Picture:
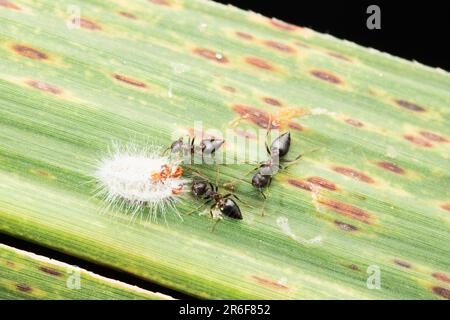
269	126
265	197
212	217
210	211
198	208
190	149
263	207
165	151
217	179
261	192
196	173
267	146
234	123
215	223
292	162
252	170
301	155
244	202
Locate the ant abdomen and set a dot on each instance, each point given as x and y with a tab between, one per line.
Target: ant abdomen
209	146
280	146
230	209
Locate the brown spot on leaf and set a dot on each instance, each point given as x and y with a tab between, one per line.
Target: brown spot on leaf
229	89
258	117
354	267
410	106
269	283
211	55
43	173
418	141
244	35
347	210
433	136
354	174
355	123
441	277
127	15
29	52
272	101
50	271
301	184
402	264
326	76
322	183
391	167
279	46
10	264
295	126
259	63
446	206
345	226
130	81
301	45
9	5
23	287
443	292
88	24
339	56
283	25
43	86
160	2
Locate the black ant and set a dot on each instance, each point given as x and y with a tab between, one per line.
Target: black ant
267	169
205	190
207	146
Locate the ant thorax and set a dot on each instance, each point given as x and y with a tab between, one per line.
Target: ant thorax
270	167
215	196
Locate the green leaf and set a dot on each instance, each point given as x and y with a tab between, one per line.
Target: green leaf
375	193
29	276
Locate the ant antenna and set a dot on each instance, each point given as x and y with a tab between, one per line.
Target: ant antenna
197	208
268	129
291	162
197	173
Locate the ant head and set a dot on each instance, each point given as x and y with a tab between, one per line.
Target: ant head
199	188
260	180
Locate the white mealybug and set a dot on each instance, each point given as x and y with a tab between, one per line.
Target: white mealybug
136	178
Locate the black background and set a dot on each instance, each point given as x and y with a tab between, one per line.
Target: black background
414	30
